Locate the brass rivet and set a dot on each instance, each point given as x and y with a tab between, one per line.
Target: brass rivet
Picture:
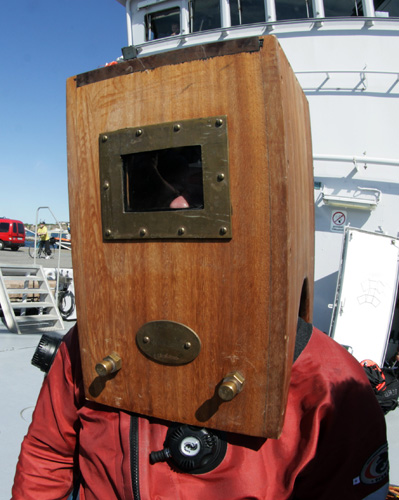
176	127
219	122
139	132
220	177
223	230
106	185
108	232
104	138
143	232
181	231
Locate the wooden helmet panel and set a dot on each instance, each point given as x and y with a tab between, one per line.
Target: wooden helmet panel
189	314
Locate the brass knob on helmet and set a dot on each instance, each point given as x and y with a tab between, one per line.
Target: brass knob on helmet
232	384
110	364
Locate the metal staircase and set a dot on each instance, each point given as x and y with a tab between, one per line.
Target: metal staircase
26	300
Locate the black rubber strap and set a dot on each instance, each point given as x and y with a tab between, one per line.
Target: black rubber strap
303	334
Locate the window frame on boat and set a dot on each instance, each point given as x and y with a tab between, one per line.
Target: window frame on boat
233	13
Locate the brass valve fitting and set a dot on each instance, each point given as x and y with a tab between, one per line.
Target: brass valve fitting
110	364
232	384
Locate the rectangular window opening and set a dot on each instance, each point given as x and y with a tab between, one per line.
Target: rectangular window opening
165	179
162	24
294	9
343	8
387	8
205	15
247	11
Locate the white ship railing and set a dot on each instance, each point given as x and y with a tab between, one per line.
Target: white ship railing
329	83
281	28
357	159
356	200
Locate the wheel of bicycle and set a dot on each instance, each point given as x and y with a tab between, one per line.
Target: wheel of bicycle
66	303
32	251
38	250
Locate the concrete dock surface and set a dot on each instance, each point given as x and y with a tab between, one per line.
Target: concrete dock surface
23	258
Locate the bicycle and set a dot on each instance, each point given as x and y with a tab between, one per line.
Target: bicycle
66	298
39	250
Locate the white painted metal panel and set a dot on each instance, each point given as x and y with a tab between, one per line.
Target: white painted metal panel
366	293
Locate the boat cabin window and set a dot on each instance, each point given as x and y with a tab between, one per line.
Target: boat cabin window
166	179
293	9
204	15
162	24
343	8
247	11
390	8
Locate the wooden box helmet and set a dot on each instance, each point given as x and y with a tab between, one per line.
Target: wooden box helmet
188	312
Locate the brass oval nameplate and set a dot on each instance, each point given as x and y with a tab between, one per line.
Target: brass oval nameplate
168	342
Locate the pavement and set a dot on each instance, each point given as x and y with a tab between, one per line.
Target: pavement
22	258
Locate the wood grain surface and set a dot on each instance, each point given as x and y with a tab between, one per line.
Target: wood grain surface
241	296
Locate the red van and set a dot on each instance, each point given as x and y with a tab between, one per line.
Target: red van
12	234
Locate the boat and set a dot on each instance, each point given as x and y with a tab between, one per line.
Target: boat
62	236
343	54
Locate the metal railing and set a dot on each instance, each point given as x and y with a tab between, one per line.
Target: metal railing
59	245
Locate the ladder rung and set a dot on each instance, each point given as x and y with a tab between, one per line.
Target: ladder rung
18	271
27	284
23	278
38	327
36	318
31	305
26	291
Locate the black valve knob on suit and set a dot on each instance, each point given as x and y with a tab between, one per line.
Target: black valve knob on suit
192	449
46	350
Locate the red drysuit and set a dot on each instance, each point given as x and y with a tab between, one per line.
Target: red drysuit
333	444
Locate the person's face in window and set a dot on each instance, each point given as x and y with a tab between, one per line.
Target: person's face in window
167	179
175	29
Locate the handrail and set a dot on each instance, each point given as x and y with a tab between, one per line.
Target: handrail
59	246
282	28
361	86
357	159
347	71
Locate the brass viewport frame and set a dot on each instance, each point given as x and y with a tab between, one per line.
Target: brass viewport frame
212	221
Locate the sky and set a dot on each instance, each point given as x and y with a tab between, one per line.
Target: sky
42	43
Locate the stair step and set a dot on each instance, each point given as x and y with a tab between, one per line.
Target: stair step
29	277
19	271
26	291
31	305
34	319
24	278
38	327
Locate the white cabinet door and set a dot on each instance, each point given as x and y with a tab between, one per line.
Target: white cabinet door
366	293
